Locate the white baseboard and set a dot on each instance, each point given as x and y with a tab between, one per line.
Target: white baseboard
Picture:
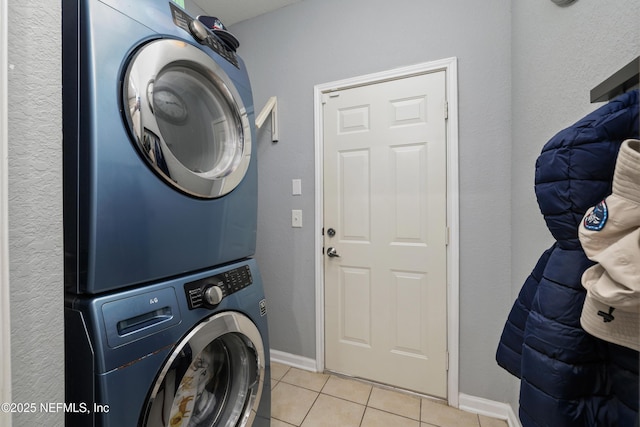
293	360
490	408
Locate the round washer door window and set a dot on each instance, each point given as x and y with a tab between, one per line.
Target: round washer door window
186	118
213	377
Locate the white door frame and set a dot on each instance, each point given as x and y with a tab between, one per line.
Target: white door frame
5	329
449	65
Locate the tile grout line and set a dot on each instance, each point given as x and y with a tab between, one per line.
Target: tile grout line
398	415
314	401
309	410
366	405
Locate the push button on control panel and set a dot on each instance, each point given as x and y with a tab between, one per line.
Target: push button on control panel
210	291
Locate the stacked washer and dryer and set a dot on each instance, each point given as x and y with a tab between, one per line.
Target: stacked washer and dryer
165	314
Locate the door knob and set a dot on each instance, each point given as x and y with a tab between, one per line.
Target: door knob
332	253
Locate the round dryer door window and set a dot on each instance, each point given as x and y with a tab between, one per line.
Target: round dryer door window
187	118
213	377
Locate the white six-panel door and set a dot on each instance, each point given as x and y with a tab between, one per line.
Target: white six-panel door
385	200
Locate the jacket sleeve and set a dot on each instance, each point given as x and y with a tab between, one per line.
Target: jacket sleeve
509	350
615	280
610	236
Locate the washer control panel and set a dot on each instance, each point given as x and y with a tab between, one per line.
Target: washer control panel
210	291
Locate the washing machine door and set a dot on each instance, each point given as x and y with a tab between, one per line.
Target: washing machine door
186	118
213	377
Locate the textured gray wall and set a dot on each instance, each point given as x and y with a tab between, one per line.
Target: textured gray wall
555	55
35	208
559	55
318	41
525	70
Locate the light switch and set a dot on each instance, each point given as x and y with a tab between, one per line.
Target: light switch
296	218
297	187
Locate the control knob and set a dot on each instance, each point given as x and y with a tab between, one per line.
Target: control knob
198	30
213	295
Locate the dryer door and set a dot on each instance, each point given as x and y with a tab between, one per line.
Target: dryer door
214	377
187	118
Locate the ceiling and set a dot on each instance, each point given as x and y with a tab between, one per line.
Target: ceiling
232	11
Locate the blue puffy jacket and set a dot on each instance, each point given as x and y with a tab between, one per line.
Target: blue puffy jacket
568	377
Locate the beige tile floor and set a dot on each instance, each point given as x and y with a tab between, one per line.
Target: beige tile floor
306	399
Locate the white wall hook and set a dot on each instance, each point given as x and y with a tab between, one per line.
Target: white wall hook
270	107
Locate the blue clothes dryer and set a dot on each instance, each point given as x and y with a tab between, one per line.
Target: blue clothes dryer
158	124
192	351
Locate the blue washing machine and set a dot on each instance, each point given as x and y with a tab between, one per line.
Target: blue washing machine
192	351
158	125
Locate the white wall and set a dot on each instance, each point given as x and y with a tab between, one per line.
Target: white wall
317	41
35	207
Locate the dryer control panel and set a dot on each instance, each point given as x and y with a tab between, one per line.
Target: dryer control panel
202	34
210	291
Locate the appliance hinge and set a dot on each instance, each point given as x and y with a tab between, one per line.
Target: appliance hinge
446	110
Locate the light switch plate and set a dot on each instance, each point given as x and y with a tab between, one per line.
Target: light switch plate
296	218
296	185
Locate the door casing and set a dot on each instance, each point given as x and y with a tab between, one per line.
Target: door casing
449	65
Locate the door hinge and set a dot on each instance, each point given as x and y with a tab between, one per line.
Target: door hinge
446	110
327	95
447	234
447	360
